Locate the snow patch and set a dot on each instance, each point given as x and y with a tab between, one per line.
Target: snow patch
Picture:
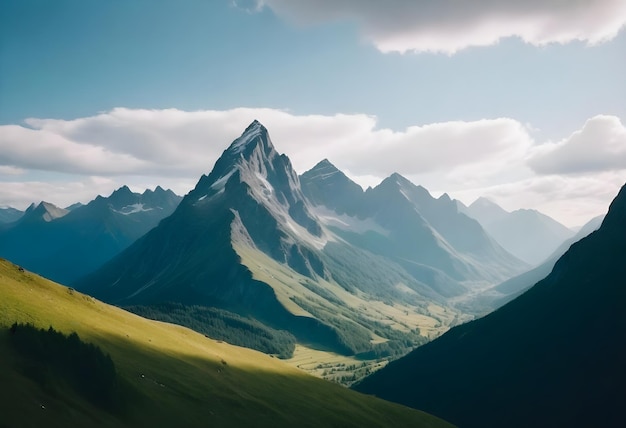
207	198
132	209
304	235
251	133
324	175
220	183
345	222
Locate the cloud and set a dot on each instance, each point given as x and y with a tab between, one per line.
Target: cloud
572	200
21	194
599	146
177	143
44	149
64	161
10	170
452	25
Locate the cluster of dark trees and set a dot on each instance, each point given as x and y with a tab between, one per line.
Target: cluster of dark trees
53	360
222	325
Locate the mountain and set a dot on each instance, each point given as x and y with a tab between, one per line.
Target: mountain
554	356
428	237
513	287
43	212
527	234
9	215
161	375
484	210
325	185
64	245
249	240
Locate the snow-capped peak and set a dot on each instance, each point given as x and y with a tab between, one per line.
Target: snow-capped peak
254	130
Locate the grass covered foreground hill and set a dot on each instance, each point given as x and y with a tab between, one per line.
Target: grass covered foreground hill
166	375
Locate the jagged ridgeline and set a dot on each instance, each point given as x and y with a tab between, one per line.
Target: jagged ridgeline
64	245
371	277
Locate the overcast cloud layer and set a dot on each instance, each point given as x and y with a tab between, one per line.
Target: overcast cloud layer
451	25
497	158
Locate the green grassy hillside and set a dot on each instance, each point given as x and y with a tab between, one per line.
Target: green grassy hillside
168	375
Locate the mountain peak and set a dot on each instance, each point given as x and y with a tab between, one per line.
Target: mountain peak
249	137
122	197
324	184
44	211
324	163
124	190
323	169
445	197
483	202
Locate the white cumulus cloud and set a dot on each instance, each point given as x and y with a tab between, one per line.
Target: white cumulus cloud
451	25
177	143
599	146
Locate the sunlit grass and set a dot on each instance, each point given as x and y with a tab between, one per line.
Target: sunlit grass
171	375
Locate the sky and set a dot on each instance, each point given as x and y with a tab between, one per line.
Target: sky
520	102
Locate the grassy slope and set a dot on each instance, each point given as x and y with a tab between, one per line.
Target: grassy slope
432	320
172	376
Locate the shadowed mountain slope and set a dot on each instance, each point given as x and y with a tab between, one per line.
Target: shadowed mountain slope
552	357
9	215
64	245
513	287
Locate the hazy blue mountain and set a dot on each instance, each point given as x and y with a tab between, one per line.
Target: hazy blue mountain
435	243
64	245
246	239
513	287
44	212
9	215
554	356
527	234
325	185
484	210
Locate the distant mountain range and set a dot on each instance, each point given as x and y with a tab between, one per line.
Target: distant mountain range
9	215
527	234
428	237
513	287
554	356
368	273
66	244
